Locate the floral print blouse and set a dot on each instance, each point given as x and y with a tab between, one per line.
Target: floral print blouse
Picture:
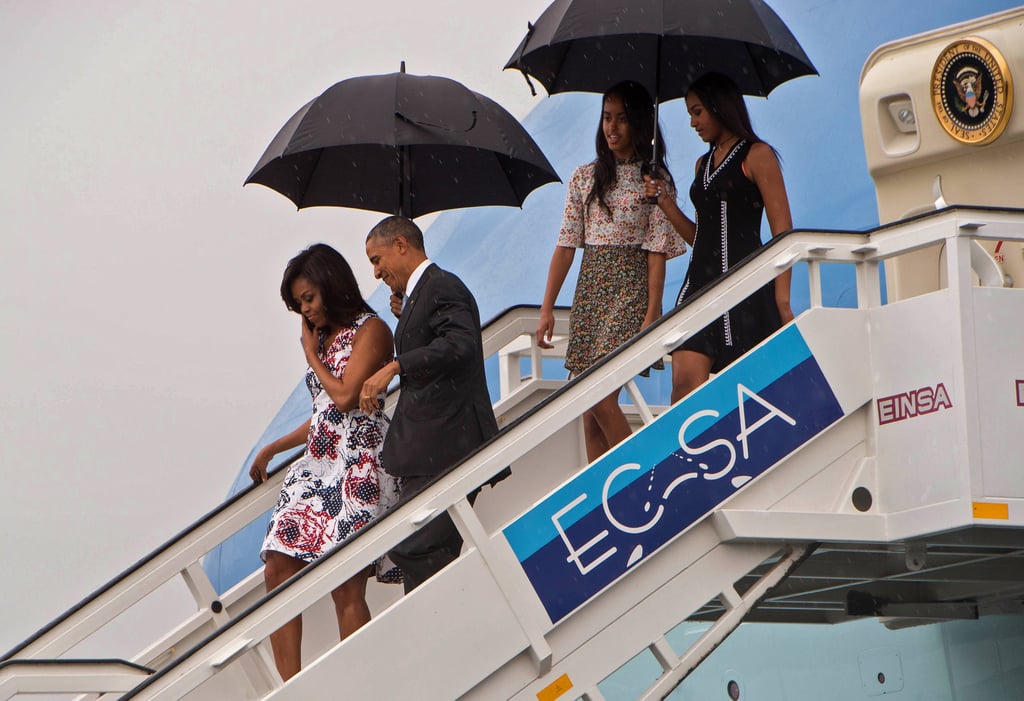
633	222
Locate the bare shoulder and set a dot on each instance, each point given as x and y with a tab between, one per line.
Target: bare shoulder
374	331
761	161
762	154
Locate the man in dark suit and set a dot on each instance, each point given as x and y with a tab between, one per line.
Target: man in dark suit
444	411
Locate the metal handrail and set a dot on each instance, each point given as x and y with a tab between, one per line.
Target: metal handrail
554	412
190	544
193	534
446	491
563	406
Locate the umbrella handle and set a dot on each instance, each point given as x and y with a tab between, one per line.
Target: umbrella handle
652	170
533	90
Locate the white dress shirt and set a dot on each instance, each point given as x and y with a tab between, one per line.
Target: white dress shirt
414	280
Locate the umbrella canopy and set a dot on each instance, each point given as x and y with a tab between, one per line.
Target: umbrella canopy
589	45
402	144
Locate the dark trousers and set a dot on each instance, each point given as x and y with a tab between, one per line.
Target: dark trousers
428	550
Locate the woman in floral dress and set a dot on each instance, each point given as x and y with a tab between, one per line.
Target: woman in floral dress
338	485
625	243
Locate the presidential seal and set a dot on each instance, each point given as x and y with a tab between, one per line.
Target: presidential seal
972	93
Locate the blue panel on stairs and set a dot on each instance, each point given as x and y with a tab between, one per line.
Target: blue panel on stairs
636	498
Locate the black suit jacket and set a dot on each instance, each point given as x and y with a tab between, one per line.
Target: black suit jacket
444	411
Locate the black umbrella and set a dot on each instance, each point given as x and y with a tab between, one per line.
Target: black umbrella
403	144
589	45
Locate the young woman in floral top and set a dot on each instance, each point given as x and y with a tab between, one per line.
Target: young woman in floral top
625	243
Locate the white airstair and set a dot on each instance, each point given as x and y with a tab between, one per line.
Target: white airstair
861	462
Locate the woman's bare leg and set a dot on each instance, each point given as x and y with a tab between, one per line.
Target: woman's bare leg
350	605
605	426
286	641
690	370
593	437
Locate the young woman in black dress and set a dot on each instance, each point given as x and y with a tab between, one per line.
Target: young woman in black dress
736	181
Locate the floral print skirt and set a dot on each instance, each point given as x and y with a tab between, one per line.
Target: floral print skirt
609	304
326	498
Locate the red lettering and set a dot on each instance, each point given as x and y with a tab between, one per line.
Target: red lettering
925	400
886	410
907	406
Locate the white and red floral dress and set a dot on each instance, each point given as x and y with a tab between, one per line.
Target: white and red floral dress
338	486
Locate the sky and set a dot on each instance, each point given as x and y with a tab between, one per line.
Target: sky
143	343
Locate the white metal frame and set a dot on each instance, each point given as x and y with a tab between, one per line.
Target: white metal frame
217	639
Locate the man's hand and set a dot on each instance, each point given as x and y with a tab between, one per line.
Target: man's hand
377	385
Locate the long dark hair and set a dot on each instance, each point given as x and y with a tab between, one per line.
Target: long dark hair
723	99
640	115
328	270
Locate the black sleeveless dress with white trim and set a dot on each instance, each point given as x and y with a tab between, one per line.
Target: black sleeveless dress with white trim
728	209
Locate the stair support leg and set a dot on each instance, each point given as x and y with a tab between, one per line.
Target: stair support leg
641	404
505	570
677	668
